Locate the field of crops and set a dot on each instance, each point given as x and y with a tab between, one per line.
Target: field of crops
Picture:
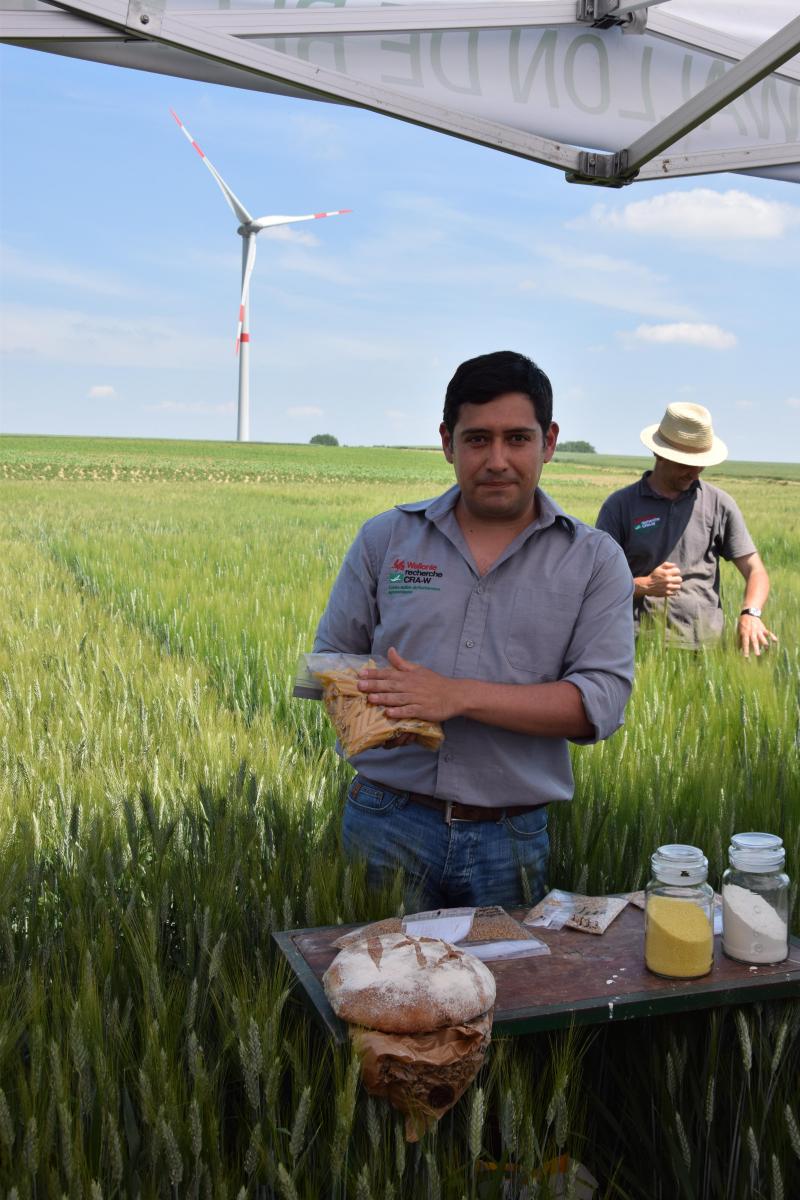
165	805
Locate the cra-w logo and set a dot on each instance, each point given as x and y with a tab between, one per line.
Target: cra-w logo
408	576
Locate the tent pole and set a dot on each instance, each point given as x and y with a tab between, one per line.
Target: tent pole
621	167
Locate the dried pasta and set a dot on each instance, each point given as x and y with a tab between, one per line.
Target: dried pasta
360	725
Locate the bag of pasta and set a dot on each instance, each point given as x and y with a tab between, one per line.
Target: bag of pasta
360	725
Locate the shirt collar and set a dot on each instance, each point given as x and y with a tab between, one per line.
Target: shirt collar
550	513
646	490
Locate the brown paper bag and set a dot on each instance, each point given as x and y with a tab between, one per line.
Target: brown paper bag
422	1074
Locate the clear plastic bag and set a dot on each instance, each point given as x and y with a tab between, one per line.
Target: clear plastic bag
589	914
360	725
489	933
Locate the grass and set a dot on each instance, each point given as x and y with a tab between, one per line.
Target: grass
165	805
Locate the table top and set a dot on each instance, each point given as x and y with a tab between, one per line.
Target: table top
586	978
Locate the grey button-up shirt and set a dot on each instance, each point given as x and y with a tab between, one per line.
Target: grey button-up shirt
555	605
694	531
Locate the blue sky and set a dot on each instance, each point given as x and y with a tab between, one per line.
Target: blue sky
120	274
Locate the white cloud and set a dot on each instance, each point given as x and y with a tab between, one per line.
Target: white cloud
744	403
687	334
793	401
700	214
100	391
607	281
28	268
92	339
285	233
301	411
190	406
300	263
365	349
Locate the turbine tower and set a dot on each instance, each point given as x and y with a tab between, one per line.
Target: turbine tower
248	230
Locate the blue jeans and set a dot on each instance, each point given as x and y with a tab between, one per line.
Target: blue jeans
464	863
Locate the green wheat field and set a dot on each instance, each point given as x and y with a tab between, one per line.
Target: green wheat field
165	805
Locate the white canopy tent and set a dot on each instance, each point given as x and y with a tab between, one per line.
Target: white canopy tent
608	91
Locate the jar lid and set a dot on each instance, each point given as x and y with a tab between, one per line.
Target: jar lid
756	852
681	865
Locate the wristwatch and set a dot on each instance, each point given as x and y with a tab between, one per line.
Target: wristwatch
750	612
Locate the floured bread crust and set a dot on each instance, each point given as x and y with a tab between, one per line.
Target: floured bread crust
402	984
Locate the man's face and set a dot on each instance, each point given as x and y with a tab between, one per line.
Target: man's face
498	451
677	477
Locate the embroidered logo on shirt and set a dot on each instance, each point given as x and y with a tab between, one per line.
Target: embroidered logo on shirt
407	576
643	523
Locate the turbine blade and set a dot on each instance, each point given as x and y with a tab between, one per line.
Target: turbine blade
248	271
236	205
268	222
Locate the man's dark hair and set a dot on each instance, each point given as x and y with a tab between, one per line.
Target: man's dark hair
481	379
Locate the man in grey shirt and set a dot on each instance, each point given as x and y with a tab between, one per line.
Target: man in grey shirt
501	617
674	529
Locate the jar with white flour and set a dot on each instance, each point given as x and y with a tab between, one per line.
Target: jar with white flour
755	900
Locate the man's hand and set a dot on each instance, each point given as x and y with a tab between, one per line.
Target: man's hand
406	689
754	635
665	580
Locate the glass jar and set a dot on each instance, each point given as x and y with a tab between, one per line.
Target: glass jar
755	900
679	914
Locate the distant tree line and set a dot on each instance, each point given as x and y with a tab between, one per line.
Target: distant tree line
578	447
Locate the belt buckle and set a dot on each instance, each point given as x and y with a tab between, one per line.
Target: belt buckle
448	812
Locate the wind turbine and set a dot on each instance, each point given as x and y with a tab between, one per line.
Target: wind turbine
249	229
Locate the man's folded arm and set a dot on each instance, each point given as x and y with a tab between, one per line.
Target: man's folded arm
585	705
539	709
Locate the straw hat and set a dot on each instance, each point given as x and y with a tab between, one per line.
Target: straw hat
685	435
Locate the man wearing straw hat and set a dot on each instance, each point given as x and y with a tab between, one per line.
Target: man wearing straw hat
674	528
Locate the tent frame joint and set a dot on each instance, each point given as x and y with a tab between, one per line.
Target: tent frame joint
630	14
602	170
145	16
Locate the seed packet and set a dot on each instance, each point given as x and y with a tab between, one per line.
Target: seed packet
359	725
569	910
492	923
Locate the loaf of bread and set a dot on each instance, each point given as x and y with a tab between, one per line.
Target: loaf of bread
402	984
374	929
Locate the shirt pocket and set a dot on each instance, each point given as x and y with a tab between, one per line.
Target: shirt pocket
540	628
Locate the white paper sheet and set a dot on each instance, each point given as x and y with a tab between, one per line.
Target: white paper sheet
450	927
489	951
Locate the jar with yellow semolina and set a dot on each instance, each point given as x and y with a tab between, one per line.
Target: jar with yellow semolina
679	908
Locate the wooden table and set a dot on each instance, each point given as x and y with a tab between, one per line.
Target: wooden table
585	980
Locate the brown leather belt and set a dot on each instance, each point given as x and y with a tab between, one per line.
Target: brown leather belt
453	810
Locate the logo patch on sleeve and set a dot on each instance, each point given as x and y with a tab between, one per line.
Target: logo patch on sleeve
642	524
